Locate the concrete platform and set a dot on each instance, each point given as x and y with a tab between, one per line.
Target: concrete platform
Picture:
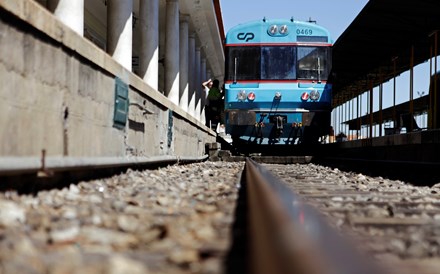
420	146
58	95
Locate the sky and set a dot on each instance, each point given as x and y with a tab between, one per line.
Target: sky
335	15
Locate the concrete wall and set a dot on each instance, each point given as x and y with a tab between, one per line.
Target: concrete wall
57	94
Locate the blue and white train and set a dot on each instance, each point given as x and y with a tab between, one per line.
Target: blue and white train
276	89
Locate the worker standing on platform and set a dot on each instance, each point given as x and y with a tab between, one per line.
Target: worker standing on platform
213	102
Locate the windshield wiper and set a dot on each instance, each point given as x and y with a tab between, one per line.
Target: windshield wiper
319	70
235	70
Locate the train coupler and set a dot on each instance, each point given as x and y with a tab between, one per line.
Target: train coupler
278	121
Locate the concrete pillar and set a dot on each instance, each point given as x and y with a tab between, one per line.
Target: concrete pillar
70	12
183	71
198	84
149	37
192	75
120	31
203	69
172	51
203	93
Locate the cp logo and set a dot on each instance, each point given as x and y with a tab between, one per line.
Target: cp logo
245	36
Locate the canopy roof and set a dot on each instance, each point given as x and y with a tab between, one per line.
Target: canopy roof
380	36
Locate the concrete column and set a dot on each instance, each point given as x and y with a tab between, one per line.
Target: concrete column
198	84
70	12
191	74
172	51
120	31
149	51
183	71
203	69
203	93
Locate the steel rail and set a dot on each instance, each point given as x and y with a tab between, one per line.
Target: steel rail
23	165
286	235
32	174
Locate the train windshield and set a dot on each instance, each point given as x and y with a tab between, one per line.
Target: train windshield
243	63
314	63
277	63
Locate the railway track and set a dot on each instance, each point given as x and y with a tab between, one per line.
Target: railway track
284	218
392	222
283	234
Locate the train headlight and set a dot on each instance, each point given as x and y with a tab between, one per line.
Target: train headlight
241	95
314	95
283	29
277	95
305	96
251	96
273	30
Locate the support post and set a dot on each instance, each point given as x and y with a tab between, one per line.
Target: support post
172	51
119	31
71	13
149	36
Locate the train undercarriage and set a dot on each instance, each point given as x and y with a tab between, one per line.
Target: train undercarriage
277	131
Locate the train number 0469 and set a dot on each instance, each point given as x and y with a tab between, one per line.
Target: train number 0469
304	32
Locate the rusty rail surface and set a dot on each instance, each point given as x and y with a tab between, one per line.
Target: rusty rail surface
286	235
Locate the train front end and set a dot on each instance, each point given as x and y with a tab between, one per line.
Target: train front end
276	89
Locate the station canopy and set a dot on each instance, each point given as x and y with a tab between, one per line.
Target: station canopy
380	38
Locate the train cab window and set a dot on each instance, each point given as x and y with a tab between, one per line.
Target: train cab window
243	63
278	63
314	63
